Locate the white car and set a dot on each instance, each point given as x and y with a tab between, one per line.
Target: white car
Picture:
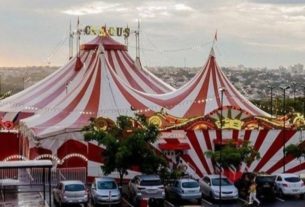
105	191
70	192
210	187
184	189
146	186
289	184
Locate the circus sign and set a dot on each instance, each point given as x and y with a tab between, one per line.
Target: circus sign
230	124
174	134
6	124
103	31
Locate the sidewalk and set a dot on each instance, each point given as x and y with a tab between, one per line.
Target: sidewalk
31	199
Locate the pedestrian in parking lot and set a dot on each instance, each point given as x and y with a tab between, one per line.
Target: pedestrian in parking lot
252	191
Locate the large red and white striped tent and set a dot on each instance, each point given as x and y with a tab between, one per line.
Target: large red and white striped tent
102	92
53	89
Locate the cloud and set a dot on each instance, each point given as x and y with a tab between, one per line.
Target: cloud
243	25
94	8
279	1
143	10
283	46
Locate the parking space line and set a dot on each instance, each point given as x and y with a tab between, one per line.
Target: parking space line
243	200
207	202
169	203
279	199
129	204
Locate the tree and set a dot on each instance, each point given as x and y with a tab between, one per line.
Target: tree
128	143
233	155
296	150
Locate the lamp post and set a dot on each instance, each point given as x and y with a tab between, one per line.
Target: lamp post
222	90
294	87
303	100
284	88
271	99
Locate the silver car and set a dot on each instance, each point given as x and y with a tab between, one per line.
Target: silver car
70	192
146	186
210	187
105	191
184	189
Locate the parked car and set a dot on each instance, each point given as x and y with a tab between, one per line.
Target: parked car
146	186
289	184
105	191
70	192
184	189
210	187
265	185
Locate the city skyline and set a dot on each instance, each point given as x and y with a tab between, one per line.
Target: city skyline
254	33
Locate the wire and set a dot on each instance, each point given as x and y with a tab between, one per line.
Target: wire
58	47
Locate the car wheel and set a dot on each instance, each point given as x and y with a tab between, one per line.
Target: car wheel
85	204
302	196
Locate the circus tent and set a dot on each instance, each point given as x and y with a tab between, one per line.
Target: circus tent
102	92
54	88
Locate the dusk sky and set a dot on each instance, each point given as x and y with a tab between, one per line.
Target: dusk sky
254	33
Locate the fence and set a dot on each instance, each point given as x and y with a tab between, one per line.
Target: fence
34	176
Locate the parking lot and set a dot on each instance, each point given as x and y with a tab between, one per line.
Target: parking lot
35	200
279	202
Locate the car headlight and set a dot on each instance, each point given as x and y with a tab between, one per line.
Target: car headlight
216	191
139	194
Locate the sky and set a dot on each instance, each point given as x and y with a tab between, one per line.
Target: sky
254	33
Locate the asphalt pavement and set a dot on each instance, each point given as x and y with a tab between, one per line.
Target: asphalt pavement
34	199
279	202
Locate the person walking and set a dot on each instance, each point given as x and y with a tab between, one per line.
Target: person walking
252	191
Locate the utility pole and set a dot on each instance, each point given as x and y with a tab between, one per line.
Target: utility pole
137	33
70	42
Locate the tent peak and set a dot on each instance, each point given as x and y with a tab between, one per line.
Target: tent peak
212	52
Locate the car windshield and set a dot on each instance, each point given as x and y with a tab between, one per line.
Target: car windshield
155	182
190	184
292	179
106	185
74	187
265	179
224	182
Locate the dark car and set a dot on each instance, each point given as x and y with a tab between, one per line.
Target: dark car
265	189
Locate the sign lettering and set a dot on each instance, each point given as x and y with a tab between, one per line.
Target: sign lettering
103	31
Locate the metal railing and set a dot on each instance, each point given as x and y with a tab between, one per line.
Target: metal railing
34	176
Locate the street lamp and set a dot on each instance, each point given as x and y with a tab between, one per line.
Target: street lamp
222	90
303	100
271	100
284	88
294	87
